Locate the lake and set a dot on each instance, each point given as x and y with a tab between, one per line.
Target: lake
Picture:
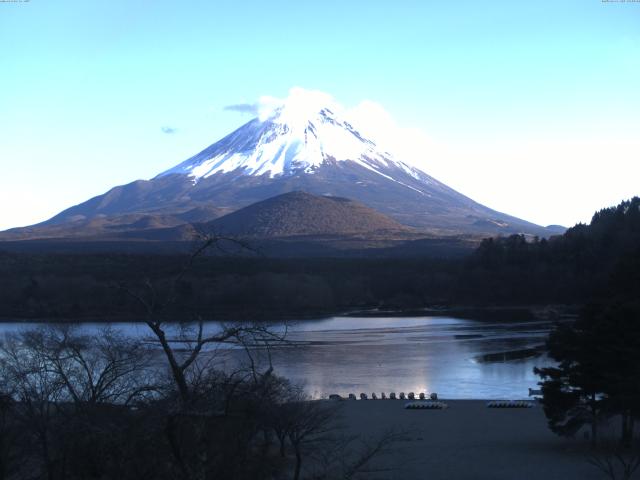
457	358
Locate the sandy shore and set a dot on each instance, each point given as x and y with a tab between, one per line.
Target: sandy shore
469	441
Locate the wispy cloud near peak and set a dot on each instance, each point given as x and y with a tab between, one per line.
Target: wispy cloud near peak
250	108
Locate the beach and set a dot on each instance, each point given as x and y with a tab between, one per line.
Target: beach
468	441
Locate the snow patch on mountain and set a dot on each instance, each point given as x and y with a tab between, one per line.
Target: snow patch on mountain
297	134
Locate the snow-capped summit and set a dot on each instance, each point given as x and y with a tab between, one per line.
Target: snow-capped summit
310	143
297	134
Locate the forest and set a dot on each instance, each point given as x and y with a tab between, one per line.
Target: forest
78	406
598	260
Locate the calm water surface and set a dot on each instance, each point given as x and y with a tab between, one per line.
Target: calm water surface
417	354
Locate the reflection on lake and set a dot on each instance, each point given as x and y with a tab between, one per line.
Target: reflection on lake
420	354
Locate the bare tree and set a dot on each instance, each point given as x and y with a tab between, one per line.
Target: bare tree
63	382
351	456
103	368
38	393
72	392
617	463
8	434
617	460
192	336
308	422
189	347
312	428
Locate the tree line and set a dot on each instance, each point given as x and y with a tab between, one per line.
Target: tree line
596	379
164	406
572	268
74	406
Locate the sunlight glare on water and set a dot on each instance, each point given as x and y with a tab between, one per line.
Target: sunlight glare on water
393	354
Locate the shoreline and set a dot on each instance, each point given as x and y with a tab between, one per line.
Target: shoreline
495	313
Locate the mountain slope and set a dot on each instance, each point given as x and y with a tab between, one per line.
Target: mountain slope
301	214
115	227
307	143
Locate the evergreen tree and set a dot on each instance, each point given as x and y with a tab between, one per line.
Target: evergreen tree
573	392
598	372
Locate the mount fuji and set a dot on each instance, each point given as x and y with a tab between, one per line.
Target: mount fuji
304	143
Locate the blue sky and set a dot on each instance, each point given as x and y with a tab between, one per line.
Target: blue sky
528	107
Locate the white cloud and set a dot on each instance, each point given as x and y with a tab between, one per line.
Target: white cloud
299	104
250	108
409	144
541	176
